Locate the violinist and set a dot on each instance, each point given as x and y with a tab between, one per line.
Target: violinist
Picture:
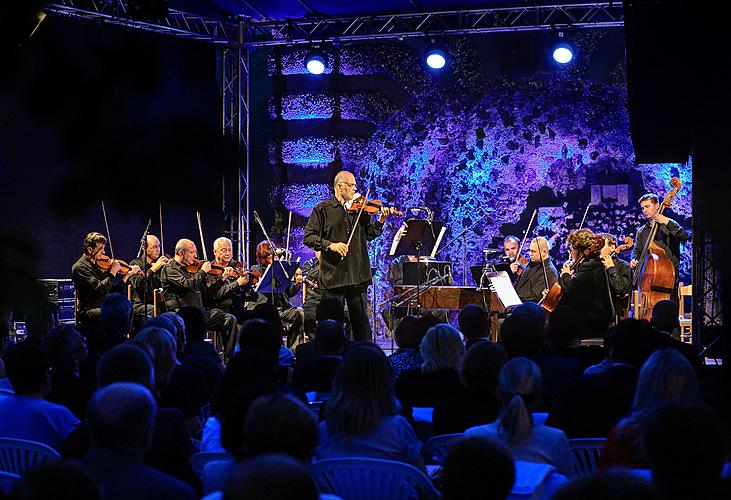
345	269
184	286
313	296
148	280
92	283
669	235
292	316
584	283
532	281
511	246
236	290
618	270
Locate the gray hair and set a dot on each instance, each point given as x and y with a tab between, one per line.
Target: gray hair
217	242
163	346
442	349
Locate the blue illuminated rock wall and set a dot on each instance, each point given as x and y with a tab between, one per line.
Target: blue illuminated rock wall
476	140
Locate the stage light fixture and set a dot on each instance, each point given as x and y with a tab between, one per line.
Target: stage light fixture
315	64
436	59
563	53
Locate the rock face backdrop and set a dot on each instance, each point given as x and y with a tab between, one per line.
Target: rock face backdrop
500	132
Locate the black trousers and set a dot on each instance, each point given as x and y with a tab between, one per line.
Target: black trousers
355	298
225	323
294	318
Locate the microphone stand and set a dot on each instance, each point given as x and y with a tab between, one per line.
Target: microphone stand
145	266
463	235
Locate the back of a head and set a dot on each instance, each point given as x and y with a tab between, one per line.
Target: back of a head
564	327
683	442
116	313
178	328
125	363
61	344
330	336
481	367
422	325
121	416
330	308
665	316
243	367
665	375
195	323
57	481
40	318
521	335
163	322
519	389
262	335
163	346
280	424
607	486
474	322
404	334
271	477
534	311
269	313
442	349
630	341
477	468
27	367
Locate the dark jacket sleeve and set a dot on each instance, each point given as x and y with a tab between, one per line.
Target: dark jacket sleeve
675	230
314	231
639	244
173	277
94	286
620	278
373	228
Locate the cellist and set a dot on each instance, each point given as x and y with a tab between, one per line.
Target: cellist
669	235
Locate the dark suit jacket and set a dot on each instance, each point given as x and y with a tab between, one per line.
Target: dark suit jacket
588	294
590	405
121	478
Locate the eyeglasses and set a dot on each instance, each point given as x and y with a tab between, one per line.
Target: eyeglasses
351	184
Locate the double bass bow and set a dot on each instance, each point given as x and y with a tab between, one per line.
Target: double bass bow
519	258
654	277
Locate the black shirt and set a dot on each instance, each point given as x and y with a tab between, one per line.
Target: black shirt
92	284
182	288
330	223
147	284
668	237
588	294
532	282
229	292
620	277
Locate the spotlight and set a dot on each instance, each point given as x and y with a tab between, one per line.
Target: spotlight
436	59
315	64
563	53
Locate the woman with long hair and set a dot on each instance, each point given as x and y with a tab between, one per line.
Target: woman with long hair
519	391
362	416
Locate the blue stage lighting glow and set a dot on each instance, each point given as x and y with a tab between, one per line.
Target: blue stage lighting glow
563	54
315	65
436	59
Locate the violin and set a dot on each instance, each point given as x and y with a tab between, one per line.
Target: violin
371	207
197	264
306	279
523	261
105	263
628	243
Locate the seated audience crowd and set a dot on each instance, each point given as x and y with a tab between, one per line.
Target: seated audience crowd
126	408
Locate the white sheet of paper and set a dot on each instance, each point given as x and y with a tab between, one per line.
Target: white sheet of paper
504	289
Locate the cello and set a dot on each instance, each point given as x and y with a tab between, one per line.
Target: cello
654	277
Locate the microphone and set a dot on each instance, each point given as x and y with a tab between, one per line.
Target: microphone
491	251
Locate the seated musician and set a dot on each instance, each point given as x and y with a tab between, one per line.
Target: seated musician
148	280
232	296
532	282
313	296
92	283
293	317
619	271
183	288
511	247
585	286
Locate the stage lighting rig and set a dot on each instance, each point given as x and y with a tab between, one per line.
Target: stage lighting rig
562	51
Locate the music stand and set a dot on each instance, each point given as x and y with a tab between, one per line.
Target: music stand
275	279
422	237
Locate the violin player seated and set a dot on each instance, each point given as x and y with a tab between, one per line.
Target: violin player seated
532	281
95	275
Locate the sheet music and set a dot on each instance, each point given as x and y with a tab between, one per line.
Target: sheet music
504	289
396	238
436	243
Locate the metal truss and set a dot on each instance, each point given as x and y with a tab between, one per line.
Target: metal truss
235	126
456	22
178	23
707	289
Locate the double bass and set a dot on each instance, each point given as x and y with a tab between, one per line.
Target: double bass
654	277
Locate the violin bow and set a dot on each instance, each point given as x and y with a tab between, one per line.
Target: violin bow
162	238
289	228
200	232
357	218
583	219
543	263
109	235
525	236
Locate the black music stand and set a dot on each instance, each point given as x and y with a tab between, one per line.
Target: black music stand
422	236
277	278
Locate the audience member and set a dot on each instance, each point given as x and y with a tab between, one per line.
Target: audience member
615	485
478	404
195	331
57	481
318	375
274	477
40	319
665	376
408	336
121	421
26	415
66	349
474	323
563	333
438	378
361	418
665	318
116	318
477	469
519	390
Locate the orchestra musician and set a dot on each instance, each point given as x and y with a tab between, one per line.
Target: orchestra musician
584	285
618	270
91	282
511	247
345	269
293	317
669	235
312	295
146	282
183	286
532	282
232	296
